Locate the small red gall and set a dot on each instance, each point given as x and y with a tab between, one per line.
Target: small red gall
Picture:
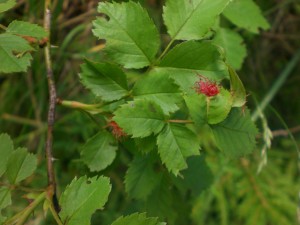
116	130
206	87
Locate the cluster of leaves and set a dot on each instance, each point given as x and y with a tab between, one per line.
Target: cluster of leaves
149	101
153	107
158	114
18	41
78	201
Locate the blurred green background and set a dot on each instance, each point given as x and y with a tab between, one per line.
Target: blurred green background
260	189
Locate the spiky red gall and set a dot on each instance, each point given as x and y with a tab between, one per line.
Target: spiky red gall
206	87
116	130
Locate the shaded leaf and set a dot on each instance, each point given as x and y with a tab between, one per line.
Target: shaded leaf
6	149
233	45
105	80
198	175
6	5
246	14
237	89
21	164
14	53
141	178
160	89
235	136
131	37
160	202
146	145
140	118
82	198
26	29
187	20
5	200
99	151
175	144
137	219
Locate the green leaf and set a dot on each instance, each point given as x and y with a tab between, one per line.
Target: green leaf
187	20
146	145
6	149
5	197
21	164
235	136
160	89
246	14
82	197
140	118
6	5
141	178
190	58
137	219
218	107
175	144
237	89
233	45
197	105
198	175
14	53
105	80
160	202
210	110
99	151
26	29
131	37
5	200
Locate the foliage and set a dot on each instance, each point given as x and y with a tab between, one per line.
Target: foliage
168	123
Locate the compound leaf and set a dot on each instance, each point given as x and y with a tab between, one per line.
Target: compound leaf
141	178
233	45
105	80
235	136
246	14
137	219
14	53
6	5
140	118
81	199
99	151
188	20
131	37
158	88
26	29
175	144
6	149
21	164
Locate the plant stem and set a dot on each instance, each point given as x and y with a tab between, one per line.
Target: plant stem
54	213
277	85
78	105
180	121
3	27
51	110
21	217
166	49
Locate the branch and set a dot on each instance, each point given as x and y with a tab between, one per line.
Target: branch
51	110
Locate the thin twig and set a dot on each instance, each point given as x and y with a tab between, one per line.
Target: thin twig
51	111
